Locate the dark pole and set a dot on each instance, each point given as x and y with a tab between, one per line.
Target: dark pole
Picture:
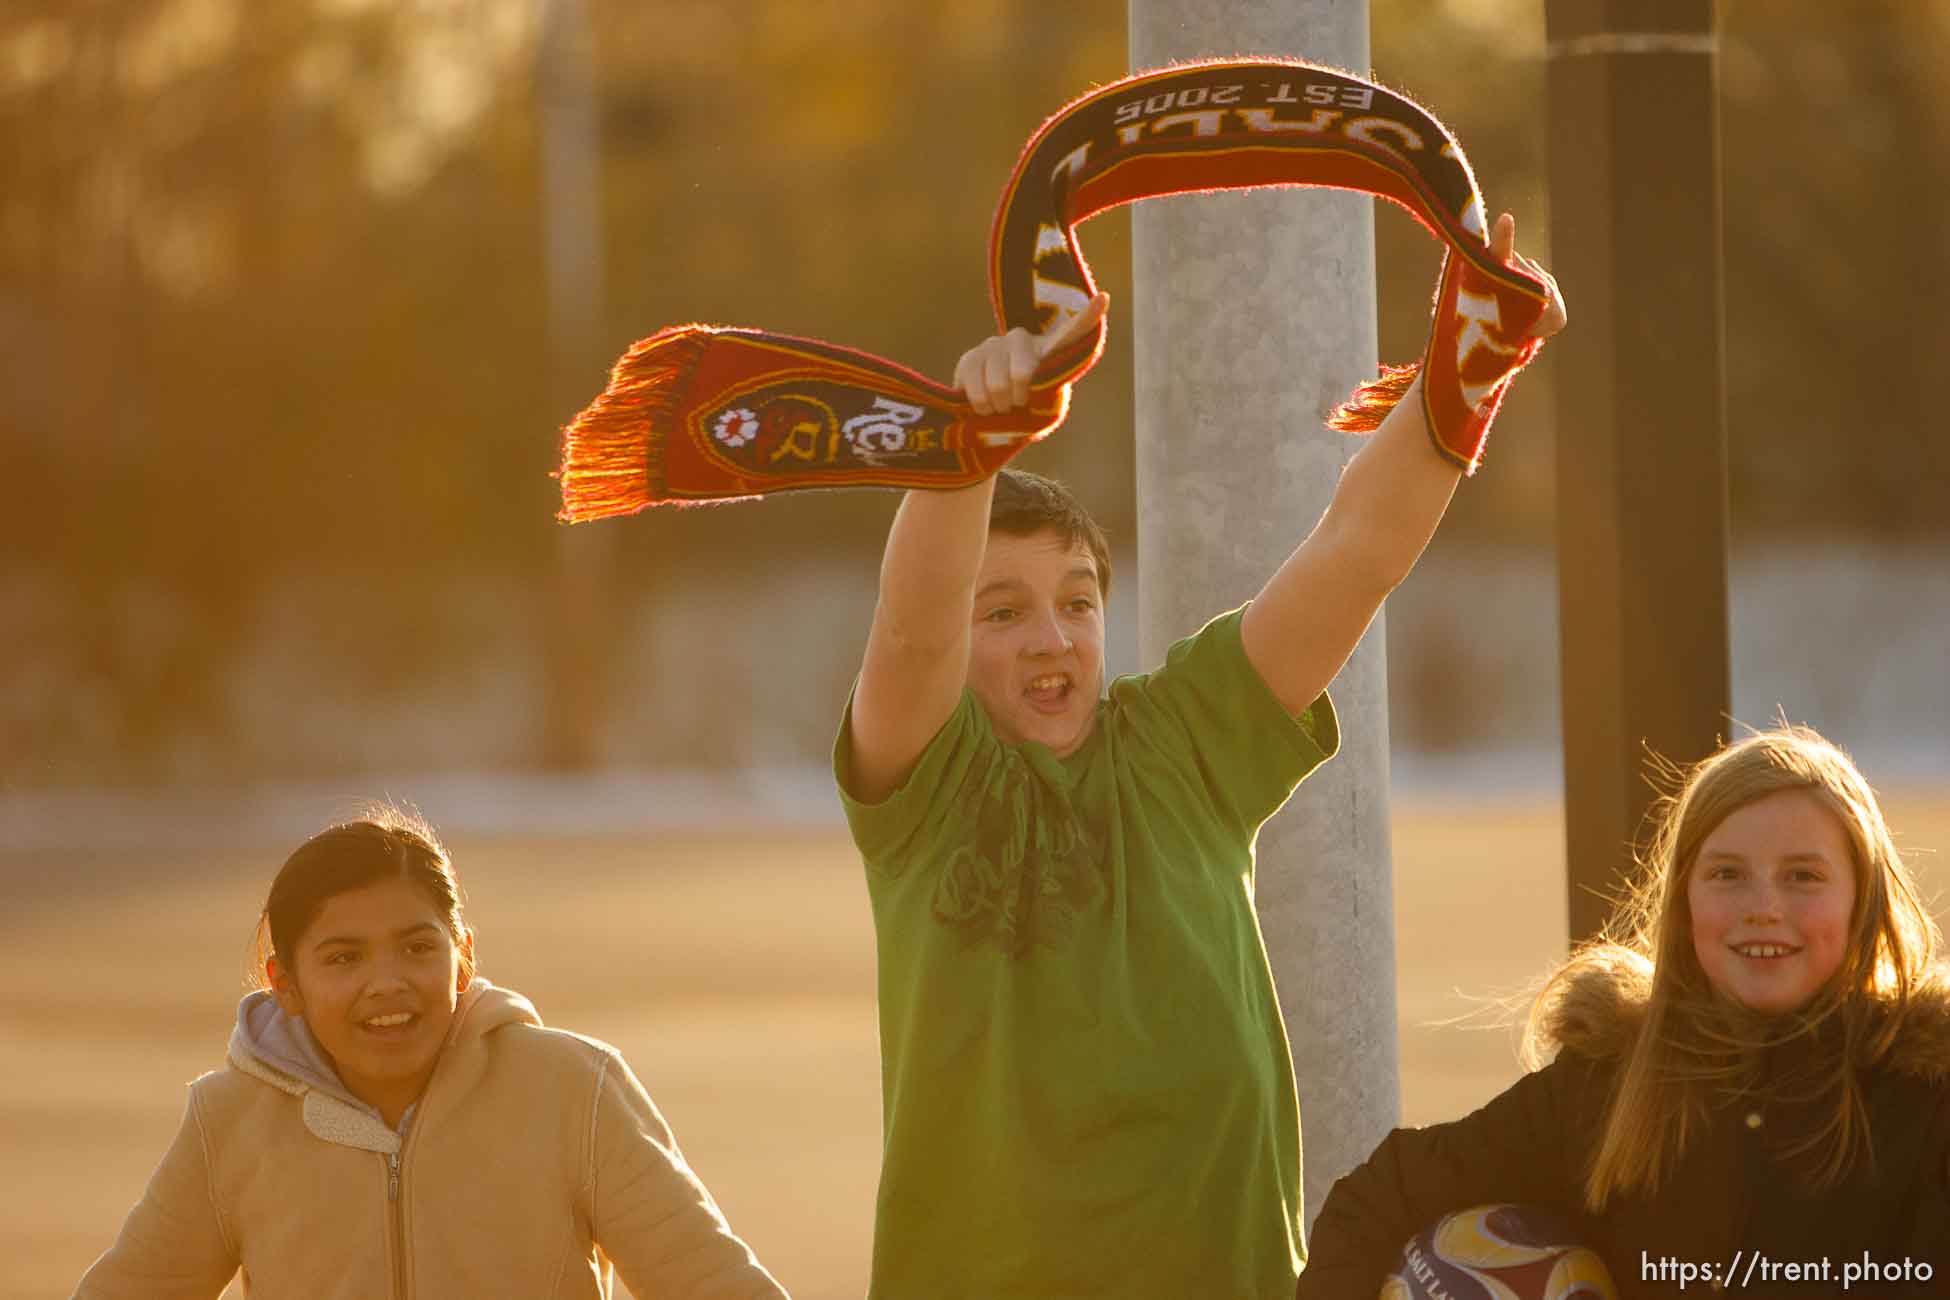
1641	460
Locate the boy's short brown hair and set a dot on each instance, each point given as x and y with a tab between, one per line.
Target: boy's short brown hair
1027	503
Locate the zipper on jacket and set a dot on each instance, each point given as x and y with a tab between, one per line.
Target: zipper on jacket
399	1226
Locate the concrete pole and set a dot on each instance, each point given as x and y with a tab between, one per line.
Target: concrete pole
1254	316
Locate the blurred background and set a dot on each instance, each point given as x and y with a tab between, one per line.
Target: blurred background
294	297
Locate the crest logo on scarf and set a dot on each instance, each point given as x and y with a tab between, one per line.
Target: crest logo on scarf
783	428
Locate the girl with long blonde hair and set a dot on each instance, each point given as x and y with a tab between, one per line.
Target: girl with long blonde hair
1750	1063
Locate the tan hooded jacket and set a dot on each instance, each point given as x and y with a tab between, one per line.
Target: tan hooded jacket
533	1160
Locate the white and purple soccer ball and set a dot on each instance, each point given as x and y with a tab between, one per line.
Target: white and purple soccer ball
1498	1252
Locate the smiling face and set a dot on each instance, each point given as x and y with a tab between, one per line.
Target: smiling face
1772	893
1036	655
377	976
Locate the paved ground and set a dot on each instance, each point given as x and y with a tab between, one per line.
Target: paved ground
734	970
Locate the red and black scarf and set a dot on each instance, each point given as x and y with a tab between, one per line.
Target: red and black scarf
699	413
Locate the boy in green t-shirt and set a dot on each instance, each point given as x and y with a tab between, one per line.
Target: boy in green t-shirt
1086	1085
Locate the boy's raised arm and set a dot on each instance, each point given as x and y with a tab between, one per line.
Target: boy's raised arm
1309	616
917	651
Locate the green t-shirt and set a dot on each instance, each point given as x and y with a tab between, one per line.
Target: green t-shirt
1085	1082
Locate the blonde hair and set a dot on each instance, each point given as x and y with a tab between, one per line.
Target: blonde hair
1691	1045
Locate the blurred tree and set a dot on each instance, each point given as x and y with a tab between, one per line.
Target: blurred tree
1838	261
272	301
832	171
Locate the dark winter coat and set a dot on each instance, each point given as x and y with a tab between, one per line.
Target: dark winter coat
1735	1192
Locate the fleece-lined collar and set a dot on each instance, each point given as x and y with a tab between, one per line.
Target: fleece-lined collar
280	1050
1599	1013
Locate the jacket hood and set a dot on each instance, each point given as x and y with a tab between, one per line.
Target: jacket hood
1599	1009
279	1049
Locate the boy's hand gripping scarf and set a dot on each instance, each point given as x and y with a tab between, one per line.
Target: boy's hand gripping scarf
700	413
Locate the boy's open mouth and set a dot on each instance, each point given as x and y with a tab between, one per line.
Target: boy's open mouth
1049	692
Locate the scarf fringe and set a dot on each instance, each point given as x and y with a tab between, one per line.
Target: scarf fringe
1369	404
612	453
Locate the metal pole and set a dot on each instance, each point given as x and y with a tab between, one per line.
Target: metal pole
576	663
1254	314
1641	429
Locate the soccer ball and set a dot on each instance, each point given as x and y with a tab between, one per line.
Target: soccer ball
1498	1252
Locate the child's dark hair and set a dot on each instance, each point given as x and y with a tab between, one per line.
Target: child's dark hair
1027	504
384	842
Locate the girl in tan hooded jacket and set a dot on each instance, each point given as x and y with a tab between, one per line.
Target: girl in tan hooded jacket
391	1125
